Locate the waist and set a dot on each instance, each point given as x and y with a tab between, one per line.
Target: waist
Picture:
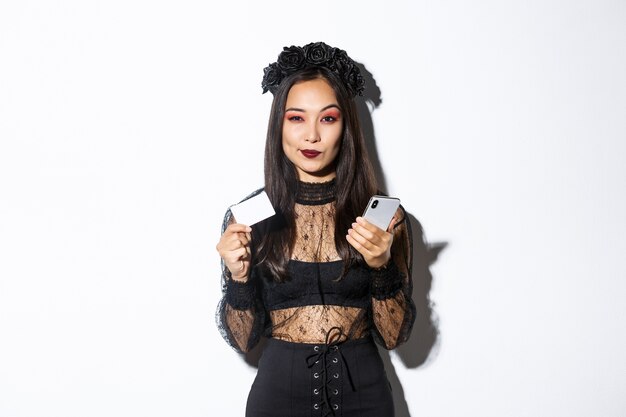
312	324
306	347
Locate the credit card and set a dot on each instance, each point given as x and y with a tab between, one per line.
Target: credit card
253	210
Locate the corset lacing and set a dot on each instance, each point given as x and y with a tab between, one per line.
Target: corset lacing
330	363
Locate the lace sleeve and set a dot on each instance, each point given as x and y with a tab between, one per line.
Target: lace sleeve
393	310
240	313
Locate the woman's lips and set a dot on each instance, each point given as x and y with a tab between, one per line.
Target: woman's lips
310	153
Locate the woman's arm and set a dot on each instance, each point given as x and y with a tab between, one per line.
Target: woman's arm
240	315
388	254
240	311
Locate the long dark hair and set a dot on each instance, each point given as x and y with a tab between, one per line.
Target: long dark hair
355	181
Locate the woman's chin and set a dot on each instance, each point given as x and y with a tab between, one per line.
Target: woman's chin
315	176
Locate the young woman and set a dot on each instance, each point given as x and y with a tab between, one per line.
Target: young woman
318	280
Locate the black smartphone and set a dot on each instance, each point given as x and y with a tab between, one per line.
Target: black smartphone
380	210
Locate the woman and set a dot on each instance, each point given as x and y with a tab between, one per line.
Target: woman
320	294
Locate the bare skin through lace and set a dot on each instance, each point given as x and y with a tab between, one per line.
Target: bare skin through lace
310	324
315	233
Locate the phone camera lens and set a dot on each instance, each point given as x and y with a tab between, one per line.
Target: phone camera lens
374	203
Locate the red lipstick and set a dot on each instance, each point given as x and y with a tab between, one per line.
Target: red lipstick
310	153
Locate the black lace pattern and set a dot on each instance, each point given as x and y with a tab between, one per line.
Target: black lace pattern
314	300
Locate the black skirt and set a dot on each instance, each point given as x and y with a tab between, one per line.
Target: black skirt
300	379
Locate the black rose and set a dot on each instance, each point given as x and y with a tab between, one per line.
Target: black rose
291	59
341	61
272	76
354	80
342	66
318	53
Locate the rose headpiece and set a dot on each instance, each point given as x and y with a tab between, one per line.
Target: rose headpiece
295	58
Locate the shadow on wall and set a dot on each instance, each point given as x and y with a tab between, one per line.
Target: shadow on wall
421	346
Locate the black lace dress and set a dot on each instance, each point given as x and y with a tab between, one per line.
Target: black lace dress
320	358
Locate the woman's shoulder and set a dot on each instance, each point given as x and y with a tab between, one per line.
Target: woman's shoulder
252	194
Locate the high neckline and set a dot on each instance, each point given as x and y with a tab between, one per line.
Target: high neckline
316	193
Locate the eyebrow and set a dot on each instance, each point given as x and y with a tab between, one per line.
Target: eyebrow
303	111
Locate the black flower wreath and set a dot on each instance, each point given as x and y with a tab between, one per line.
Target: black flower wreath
295	58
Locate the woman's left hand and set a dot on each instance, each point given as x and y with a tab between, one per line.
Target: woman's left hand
371	241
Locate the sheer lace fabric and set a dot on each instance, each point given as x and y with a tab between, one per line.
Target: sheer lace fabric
315	233
311	324
315	301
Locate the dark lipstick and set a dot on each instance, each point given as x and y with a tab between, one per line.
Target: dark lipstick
310	153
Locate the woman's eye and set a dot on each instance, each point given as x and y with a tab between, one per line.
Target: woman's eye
328	119
295	118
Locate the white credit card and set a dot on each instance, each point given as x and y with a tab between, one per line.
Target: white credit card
253	210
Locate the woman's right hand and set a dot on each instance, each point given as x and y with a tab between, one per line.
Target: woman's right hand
234	248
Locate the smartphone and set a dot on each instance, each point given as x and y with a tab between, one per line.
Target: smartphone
380	210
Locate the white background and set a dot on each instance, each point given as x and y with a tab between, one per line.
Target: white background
127	128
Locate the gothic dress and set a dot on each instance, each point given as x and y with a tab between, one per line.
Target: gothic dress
320	359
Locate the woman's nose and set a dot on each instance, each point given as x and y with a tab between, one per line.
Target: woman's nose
312	135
